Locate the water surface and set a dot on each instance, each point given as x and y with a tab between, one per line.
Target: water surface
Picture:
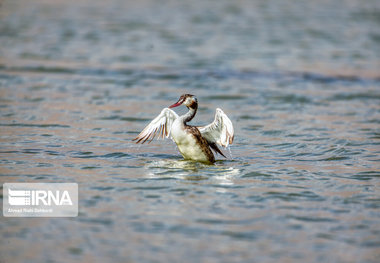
300	81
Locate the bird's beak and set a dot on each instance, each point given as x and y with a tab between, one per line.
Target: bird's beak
178	103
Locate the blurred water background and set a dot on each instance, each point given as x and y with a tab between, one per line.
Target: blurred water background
299	79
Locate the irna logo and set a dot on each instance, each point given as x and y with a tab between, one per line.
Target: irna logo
38	197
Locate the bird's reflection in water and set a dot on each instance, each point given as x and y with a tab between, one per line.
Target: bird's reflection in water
191	171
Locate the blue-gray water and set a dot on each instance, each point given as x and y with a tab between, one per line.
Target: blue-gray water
299	79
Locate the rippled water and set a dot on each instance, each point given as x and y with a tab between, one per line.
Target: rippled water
299	80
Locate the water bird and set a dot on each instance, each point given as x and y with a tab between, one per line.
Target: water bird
195	143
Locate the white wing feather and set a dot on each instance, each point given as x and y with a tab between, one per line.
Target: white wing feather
220	130
161	124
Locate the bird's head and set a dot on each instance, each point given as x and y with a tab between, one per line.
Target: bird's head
188	100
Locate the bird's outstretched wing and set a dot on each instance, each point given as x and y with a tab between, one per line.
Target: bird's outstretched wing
161	124
220	131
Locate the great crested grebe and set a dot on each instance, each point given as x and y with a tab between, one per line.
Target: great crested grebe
194	143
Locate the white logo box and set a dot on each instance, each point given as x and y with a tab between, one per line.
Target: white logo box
40	199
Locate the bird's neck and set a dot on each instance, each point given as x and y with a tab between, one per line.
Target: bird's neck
190	114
